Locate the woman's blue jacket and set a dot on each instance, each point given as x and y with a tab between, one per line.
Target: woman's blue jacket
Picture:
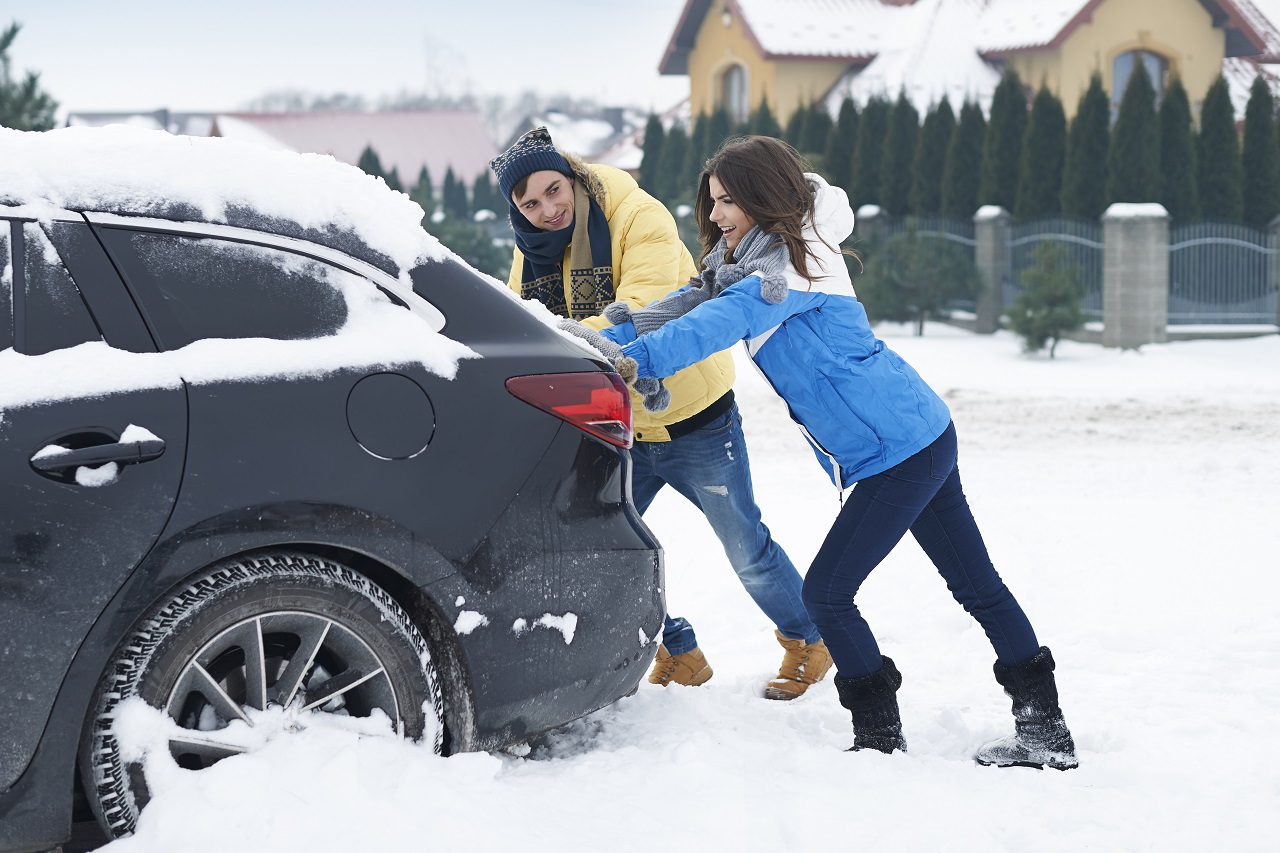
861	406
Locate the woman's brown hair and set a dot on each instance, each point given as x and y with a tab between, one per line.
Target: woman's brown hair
765	177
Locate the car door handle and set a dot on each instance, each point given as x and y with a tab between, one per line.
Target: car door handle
123	452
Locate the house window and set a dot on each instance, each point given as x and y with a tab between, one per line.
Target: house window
733	93
1122	69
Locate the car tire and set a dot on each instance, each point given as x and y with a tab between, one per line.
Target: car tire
263	628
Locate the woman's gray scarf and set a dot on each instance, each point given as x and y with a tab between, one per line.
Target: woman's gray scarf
758	251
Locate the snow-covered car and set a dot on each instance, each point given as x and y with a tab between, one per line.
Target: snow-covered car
266	449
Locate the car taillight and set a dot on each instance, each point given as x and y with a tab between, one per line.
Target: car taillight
596	402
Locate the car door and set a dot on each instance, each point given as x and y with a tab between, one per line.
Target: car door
92	442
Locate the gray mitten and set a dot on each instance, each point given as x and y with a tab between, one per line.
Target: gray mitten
656	314
655	395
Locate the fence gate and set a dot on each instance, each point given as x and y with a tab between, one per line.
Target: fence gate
1220	273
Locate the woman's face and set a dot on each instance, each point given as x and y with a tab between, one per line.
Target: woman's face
547	201
732	220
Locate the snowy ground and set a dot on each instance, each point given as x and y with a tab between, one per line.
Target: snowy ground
1130	500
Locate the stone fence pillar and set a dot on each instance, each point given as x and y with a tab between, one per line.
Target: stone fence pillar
868	223
994	258
1135	275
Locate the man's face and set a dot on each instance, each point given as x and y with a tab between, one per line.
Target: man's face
547	201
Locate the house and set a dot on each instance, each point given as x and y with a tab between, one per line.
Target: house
405	141
792	52
611	136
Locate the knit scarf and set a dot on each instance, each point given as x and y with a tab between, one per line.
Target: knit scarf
590	285
757	251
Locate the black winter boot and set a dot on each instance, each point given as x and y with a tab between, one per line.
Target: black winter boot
1041	735
873	702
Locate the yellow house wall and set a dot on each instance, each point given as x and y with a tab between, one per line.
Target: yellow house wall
717	48
1179	30
787	83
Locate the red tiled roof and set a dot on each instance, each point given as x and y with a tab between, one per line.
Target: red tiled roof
403	140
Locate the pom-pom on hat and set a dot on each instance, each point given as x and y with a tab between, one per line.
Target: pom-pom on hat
532	152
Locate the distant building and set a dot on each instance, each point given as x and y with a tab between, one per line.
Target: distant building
607	136
405	141
737	52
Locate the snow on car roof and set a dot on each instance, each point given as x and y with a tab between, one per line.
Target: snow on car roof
132	170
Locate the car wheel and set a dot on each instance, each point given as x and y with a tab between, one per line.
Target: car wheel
284	630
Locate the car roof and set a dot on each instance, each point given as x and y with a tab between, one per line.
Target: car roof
135	172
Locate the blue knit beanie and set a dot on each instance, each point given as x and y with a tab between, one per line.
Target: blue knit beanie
532	152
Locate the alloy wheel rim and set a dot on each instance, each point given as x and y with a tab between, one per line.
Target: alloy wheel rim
287	659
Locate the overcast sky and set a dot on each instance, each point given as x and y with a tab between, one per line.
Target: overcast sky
220	54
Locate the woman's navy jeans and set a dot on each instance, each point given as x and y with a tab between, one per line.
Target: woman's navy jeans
921	494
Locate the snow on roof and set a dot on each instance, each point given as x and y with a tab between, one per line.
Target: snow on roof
1262	16
129	170
406	140
1006	25
585	137
834	28
1240	73
624	154
928	61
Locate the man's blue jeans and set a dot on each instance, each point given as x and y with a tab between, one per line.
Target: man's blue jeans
709	467
921	494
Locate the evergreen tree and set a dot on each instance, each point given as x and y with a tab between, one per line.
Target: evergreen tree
393	180
1133	161
369	162
1260	158
423	193
795	124
675	151
1084	178
1044	148
651	156
868	152
721	128
899	151
1219	175
963	164
701	147
23	104
455	196
1049	304
931	158
815	130
912	278
838	154
1178	155
763	121
473	242
1002	144
484	195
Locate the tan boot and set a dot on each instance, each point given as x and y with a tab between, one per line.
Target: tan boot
802	664
689	669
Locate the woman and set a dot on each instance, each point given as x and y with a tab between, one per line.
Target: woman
774	277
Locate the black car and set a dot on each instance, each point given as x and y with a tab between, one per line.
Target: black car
192	513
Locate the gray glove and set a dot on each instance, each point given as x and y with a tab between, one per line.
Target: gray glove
655	395
656	314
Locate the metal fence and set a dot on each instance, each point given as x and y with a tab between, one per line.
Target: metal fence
956	231
1221	273
1081	239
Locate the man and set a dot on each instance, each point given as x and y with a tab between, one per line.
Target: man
588	236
